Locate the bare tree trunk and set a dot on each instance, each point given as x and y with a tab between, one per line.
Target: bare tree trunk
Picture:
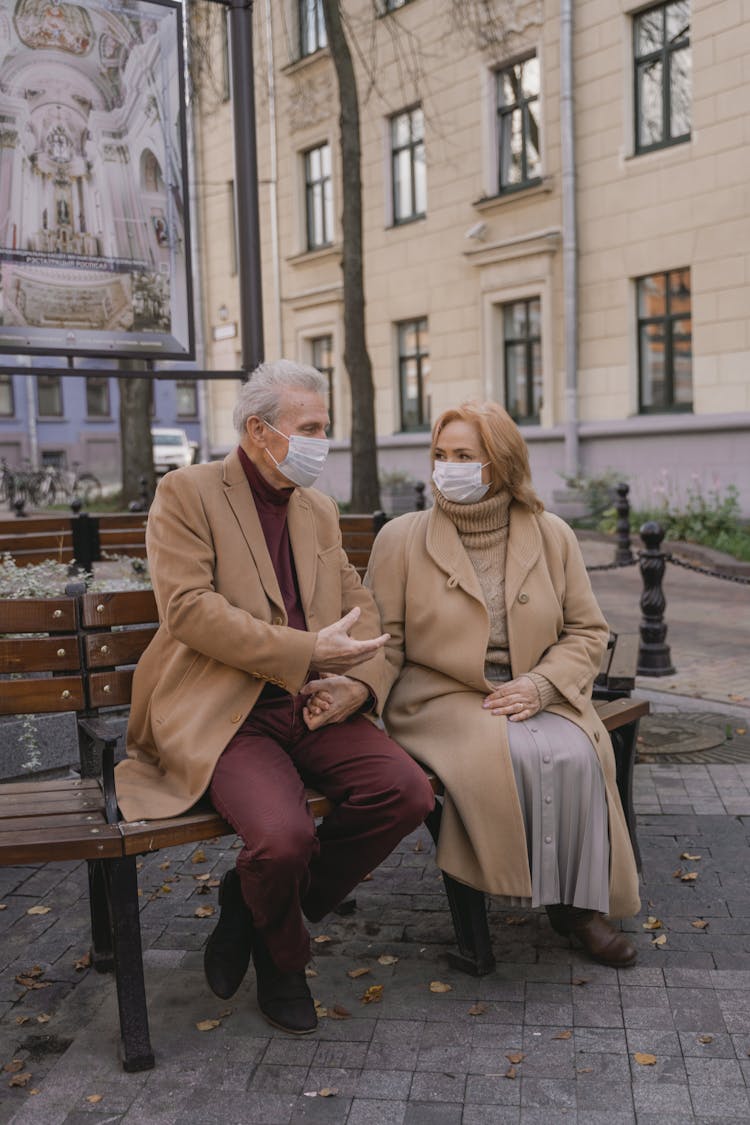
365	490
137	453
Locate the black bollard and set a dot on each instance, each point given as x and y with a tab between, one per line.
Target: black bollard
419	502
623	553
654	657
19	506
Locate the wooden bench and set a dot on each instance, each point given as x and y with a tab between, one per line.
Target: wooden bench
77	654
64	538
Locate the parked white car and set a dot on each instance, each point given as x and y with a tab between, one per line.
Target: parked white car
172	449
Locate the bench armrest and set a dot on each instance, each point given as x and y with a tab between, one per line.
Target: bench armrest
101	735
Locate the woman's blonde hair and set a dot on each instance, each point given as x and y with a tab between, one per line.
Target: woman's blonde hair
505	447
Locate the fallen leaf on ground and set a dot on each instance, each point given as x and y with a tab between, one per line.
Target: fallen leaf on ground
83	962
366	878
22	1019
198	856
204	911
43	1018
677	873
477	1009
21	1079
311	972
643	1058
737	698
355	973
27	982
373	994
94	1098
207	1025
165	889
14	1066
203	889
563	1035
660	940
339	1012
510	1072
166	865
328	1091
321	939
584	1070
580	980
652	923
515	920
705	1038
34	971
440	986
34	1091
237	844
320	1010
202	877
3	906
515	1057
687	855
699	924
39	910
419	846
387	959
214	883
689	877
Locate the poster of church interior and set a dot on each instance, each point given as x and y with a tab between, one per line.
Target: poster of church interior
94	247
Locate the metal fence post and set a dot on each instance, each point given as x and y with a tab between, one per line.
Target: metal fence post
654	657
623	552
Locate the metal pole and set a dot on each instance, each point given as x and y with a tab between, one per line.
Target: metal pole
246	182
570	239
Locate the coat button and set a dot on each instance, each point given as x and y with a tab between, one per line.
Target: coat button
597	736
523	598
278	620
236	717
452	582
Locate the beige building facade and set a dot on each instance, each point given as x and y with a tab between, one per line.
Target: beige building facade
595	281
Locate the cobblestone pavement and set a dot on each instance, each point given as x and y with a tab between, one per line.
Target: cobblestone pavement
664	1043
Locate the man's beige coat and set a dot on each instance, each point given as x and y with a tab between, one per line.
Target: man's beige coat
431	603
223	630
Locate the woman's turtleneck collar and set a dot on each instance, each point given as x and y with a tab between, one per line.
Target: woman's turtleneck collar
488	515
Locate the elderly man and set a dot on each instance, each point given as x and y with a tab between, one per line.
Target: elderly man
266	664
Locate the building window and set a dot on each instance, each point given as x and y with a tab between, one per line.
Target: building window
318	197
231	213
49	396
522	354
519	160
665	353
663	75
414	374
408	175
97	397
186	391
54	459
322	358
312	27
7	403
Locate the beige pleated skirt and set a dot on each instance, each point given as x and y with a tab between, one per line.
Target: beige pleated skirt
564	806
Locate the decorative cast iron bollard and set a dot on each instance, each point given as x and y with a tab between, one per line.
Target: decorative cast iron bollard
654	657
623	552
419	503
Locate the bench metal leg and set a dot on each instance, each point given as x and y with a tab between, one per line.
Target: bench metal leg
122	884
468	909
102	958
624	740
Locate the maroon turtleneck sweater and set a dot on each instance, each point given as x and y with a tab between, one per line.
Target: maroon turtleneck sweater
272	504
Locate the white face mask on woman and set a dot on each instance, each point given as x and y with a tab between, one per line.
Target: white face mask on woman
460	481
304	460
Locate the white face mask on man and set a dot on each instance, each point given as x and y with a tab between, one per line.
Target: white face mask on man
305	457
460	481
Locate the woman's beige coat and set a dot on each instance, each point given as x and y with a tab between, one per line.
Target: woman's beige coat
431	603
223	627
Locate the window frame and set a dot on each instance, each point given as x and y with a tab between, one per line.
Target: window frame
100	380
420	324
528	341
48	381
310	187
664	53
328	371
506	111
667	320
6	380
395	150
181	384
303	24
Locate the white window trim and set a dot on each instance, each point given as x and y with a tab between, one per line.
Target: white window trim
489	118
493	342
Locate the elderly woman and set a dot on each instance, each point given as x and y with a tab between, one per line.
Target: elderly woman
495	640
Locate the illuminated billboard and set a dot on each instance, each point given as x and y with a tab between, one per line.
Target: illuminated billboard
94	233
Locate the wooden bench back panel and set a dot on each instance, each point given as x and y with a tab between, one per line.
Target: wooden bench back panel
34	524
112	688
106	650
37	615
127	607
25	697
21	655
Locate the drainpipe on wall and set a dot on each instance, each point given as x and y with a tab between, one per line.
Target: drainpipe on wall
273	183
32	434
569	239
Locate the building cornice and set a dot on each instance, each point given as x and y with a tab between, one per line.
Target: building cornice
524	246
320	295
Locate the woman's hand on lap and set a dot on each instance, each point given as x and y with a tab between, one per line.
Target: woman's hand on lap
517	699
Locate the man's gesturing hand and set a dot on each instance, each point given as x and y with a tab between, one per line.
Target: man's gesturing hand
336	651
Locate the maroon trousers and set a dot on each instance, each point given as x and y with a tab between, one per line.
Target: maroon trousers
286	867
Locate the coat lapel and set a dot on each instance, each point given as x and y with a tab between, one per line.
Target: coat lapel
240	498
304	545
445	548
524	548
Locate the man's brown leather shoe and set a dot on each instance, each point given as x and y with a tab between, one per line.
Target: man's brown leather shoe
283	998
599	938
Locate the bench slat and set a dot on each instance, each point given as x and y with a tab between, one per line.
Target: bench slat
60	693
37	615
105	650
41	844
112	688
52	542
84	821
615	713
40	654
52	785
129	607
81	801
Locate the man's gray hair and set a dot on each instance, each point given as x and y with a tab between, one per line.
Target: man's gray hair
261	394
